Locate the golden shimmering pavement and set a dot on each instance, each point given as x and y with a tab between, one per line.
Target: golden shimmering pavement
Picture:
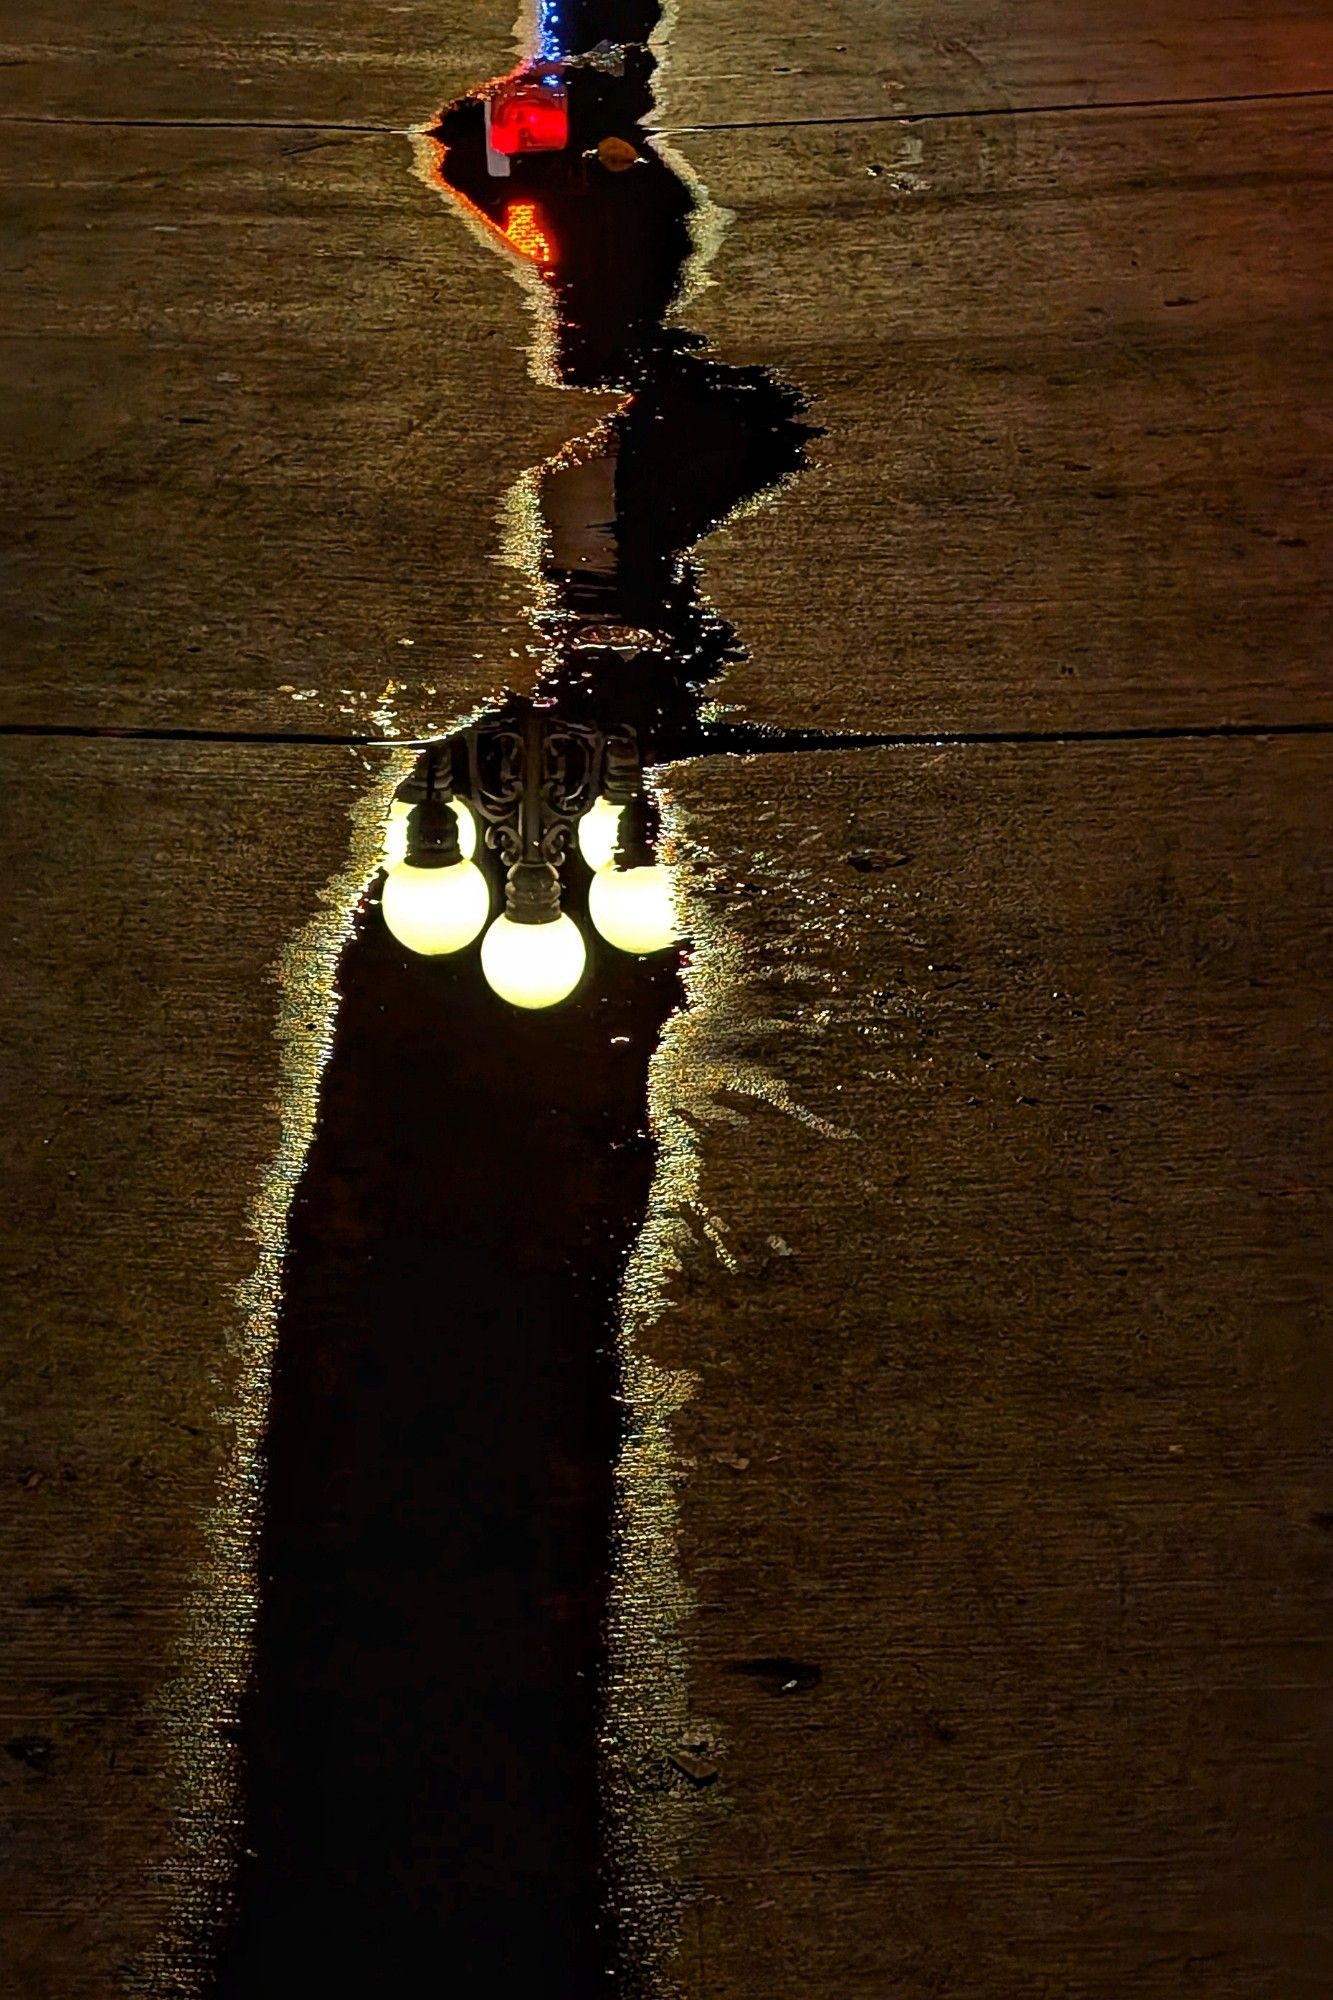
266	412
171	998
1073	369
1004	1304
968	1629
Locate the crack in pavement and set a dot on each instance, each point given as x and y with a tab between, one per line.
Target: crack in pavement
717	739
904	117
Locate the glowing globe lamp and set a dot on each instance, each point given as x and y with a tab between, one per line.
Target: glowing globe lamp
599	830
633	909
395	832
533	965
436	910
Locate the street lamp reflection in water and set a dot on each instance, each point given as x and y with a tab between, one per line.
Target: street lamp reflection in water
395	833
435	911
630	899
633	908
538	784
533	965
599	830
435	900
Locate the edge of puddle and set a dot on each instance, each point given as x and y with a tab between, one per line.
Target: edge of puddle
653	1814
198	1710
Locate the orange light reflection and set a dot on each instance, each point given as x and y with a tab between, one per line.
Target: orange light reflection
539	250
523	231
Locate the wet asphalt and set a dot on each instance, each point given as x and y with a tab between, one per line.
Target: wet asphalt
1002	1061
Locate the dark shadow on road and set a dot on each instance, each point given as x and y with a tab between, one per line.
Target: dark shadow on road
420	1736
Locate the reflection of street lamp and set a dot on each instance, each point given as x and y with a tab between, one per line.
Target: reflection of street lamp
599	829
531	784
395	833
531	780
435	900
533	963
630	900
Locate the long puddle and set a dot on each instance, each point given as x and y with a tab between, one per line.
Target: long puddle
429	1722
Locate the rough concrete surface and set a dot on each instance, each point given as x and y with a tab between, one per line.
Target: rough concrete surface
310	63
1012	1404
1072	371
149	890
867	59
266	396
1008	1408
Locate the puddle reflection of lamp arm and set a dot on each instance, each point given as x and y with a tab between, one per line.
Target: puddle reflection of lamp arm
536	783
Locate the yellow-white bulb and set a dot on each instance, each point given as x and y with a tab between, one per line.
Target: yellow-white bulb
436	910
533	965
633	909
599	829
395	832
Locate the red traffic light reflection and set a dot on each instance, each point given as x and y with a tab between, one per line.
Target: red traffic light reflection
528	115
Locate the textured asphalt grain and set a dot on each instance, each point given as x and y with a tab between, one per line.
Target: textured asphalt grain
1013	1401
1005	1517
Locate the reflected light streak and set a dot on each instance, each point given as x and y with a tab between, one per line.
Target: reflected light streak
549	43
538	250
522	231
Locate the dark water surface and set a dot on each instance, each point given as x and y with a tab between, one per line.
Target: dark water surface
420	1736
419	1739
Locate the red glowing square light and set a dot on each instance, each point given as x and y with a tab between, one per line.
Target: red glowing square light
528	116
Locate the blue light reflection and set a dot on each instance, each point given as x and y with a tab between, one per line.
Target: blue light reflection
550	46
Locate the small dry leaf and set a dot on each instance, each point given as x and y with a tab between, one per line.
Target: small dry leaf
616	155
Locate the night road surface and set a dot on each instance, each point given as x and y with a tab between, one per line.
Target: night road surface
983	1649
427	1737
